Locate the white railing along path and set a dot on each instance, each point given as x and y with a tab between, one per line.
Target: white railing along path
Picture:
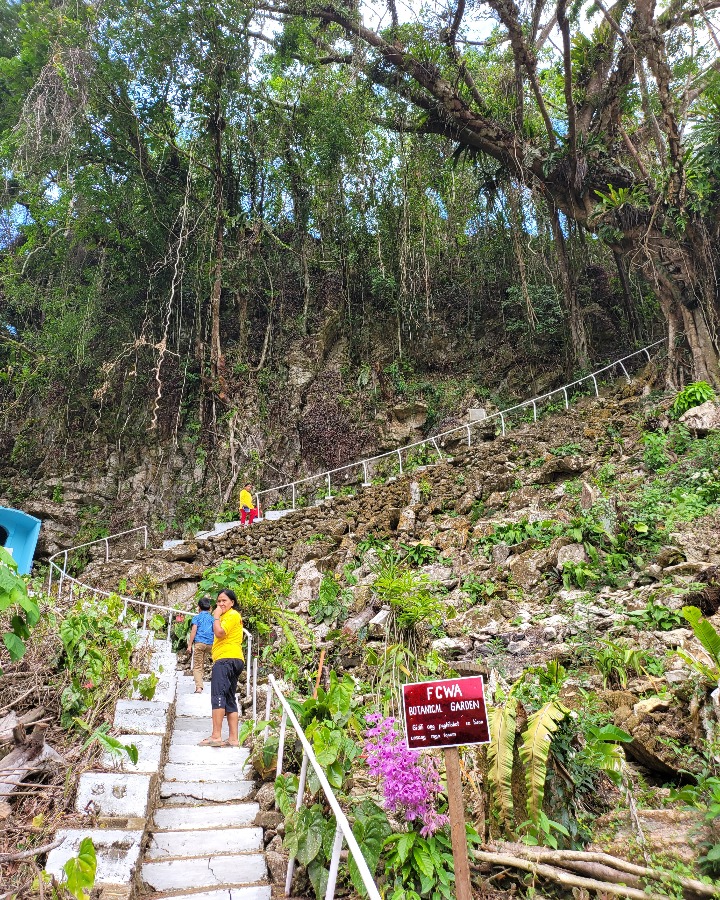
59	574
436	440
343	831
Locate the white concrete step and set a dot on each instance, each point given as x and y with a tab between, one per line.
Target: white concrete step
192	723
187	685
141	716
256	892
113	794
194	705
215	871
211	841
149	747
207	774
185	792
182	818
193	755
118	853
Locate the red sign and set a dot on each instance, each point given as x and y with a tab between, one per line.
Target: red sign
445	713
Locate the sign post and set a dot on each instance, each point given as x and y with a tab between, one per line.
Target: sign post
449	714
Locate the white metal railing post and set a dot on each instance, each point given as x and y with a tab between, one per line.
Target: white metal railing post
399	456
298	805
248	664
534	411
366	483
502	423
469	437
145	541
567	402
329	491
647	353
340	817
107	550
334	864
629	380
254	693
281	745
50	574
169	627
597	392
268	707
294	493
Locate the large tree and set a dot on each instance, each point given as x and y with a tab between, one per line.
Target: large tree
616	129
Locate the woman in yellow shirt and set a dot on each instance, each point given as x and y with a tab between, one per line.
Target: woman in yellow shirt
247	507
228	663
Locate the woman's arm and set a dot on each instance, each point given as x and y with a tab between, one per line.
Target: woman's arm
218	630
191	637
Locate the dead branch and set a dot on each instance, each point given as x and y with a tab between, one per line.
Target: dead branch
27	854
560	876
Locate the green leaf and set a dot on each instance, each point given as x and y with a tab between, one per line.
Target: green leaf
310	829
534	752
80	870
704	632
14	645
318	875
423	861
370	829
500	758
132	752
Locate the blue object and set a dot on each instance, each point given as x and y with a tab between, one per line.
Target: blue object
19	535
204	621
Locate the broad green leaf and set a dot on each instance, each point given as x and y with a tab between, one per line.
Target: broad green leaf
80	870
15	646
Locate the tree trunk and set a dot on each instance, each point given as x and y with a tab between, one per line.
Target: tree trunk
576	323
631	315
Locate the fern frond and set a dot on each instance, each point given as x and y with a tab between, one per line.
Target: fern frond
534	752
704	632
500	759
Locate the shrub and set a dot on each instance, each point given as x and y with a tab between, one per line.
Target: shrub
694	394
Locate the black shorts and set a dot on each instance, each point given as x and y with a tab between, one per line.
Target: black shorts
223	684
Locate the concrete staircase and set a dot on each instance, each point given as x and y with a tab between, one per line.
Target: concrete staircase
203	844
185	807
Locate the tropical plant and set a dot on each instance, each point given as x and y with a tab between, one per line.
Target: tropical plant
261	589
419	554
79	871
21	610
692	395
331	604
419	867
534	752
616	662
656	617
503	720
97	651
710	640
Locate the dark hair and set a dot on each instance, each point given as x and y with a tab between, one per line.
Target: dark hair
204	603
231	595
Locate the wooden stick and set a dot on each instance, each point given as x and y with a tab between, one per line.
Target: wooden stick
614	862
17	700
458	837
319	673
562	877
26	854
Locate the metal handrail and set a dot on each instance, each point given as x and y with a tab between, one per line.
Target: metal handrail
251	666
343	831
433	440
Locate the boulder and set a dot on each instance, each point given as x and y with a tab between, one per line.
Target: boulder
527	568
560	468
306	585
450	647
572	553
406	522
265	796
702	419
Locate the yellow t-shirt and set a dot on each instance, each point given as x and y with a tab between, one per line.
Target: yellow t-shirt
246	499
230	646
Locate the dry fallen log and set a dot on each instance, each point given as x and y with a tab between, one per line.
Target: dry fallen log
562	876
31	757
575	858
9	723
